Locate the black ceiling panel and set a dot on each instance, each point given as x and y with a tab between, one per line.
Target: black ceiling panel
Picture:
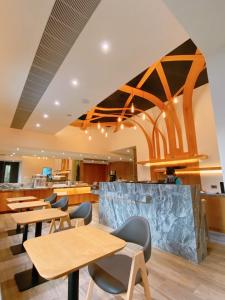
187	47
202	78
142	103
176	73
134	82
117	99
153	85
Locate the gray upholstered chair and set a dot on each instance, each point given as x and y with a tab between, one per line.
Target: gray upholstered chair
83	212
61	203
118	274
51	199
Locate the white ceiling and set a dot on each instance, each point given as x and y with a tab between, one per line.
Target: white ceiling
21	26
204	20
18	153
139	33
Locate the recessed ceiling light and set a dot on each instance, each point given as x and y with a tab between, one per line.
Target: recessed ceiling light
74	82
38	125
17	149
57	103
42	151
63	153
105	46
45	116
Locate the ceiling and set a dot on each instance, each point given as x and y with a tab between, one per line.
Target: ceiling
18	153
176	68
123	24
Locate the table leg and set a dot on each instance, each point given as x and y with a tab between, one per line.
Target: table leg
30	278
18	249
27	279
73	286
38	229
15	231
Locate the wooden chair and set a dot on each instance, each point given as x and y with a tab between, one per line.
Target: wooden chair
119	273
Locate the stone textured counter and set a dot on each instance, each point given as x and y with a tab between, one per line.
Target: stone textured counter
174	213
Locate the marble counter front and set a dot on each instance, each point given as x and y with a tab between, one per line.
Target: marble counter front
174	213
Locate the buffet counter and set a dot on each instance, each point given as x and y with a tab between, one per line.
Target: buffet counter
77	194
174	212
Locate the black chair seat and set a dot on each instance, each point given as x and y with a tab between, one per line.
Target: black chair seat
112	273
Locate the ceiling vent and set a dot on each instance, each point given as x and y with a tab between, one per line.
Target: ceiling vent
66	21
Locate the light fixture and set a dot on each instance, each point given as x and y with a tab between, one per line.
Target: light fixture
102	130
175	100
128	150
132	108
106	134
17	149
89	138
119	119
38	125
42	151
105	47
74	82
120	158
122	126
99	125
109	157
143	116
130	159
174	162
164	114
45	116
63	153
135	127
85	131
57	103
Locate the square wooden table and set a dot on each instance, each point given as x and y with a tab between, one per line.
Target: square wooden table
67	251
18	199
21	199
36	216
27	205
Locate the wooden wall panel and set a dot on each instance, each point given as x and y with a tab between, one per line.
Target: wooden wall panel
215	208
90	173
124	170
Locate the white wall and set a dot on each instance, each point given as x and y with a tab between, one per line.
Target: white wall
30	166
69	139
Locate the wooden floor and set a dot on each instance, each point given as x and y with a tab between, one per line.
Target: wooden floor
170	277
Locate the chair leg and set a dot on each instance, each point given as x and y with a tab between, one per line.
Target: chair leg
52	226
90	289
138	263
79	222
144	277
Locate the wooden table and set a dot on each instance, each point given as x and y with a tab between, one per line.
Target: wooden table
36	216
27	205
67	251
21	199
16	200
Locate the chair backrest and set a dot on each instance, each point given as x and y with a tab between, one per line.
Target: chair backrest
51	199
136	230
61	203
83	211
